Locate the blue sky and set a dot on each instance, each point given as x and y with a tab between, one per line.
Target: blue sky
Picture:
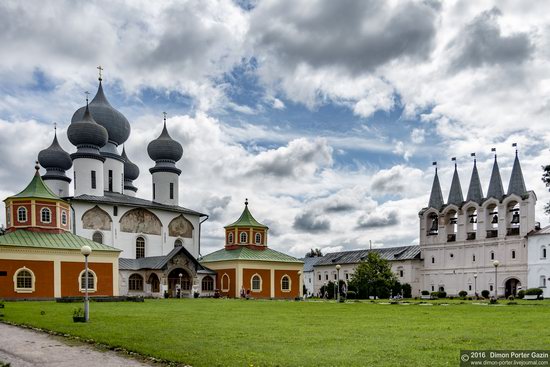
326	115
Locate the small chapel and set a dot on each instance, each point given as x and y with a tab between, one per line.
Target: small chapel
247	267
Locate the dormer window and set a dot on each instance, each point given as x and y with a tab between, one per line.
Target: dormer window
244	237
258	238
45	215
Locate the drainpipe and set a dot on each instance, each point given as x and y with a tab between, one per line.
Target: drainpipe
200	223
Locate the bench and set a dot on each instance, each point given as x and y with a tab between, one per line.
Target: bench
531	297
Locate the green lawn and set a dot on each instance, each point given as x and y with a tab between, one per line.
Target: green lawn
216	332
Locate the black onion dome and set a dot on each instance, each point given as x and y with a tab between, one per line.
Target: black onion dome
165	148
55	157
107	116
87	132
131	170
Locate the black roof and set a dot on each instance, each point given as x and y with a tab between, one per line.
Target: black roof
159	262
310	262
114	198
387	253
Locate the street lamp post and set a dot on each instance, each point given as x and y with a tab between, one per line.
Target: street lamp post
475	285
496	263
181	290
338	267
86	251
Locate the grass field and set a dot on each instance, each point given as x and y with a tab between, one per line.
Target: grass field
216	332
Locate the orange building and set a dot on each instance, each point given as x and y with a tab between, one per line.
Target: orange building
246	265
40	257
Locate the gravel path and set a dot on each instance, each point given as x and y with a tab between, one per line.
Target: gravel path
25	348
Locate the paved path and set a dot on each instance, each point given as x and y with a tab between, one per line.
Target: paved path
27	348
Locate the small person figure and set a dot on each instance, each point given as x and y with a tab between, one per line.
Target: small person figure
242	292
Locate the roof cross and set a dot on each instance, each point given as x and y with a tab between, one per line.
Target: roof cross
100	70
164	114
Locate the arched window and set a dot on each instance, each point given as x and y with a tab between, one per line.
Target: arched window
256	283
24	281
244	237
285	283
22	214
543	281
258	238
64	217
230	238
92	281
543	252
45	215
225	282
140	247
135	282
207	283
97	237
178	243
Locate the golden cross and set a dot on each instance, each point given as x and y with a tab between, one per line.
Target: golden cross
100	70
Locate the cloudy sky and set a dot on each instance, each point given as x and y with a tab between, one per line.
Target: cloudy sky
326	114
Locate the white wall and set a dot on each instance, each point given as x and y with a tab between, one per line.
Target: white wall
82	168
155	245
118	174
58	187
538	265
162	181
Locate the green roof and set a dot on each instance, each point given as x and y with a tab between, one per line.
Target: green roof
65	240
36	189
246	220
245	253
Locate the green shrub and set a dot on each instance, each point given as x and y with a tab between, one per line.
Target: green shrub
462	294
533	292
425	293
521	294
485	293
439	294
407	290
493	301
351	295
510	298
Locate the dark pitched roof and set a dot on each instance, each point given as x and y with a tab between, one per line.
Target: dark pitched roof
353	257
495	184
159	262
455	193
436	197
120	199
475	192
517	183
309	262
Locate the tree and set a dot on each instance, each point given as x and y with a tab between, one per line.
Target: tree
546	180
373	277
314	253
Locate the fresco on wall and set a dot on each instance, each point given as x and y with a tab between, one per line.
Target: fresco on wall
140	221
180	227
96	218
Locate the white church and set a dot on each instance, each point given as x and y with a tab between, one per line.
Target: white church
159	239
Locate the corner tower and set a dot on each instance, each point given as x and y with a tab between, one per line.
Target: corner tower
56	161
165	151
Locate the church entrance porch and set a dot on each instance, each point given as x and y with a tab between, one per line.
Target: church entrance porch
511	287
179	283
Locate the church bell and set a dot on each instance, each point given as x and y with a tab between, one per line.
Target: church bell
495	219
515	218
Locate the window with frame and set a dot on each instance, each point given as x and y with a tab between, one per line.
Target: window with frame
140	247
492	255
178	243
154	191
319	276
110	180
135	282
326	276
473	258
285	283
230	238
97	237
244	237
513	254
91	281
171	190
225	283
258	238
469	287
347	276
542	281
24	280
64	217
207	284
93	180
401	273
45	215
543	252
256	283
491	288
22	214
433	260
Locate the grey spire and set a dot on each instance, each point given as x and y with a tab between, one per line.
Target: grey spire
436	197
455	194
496	189
475	192
517	183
